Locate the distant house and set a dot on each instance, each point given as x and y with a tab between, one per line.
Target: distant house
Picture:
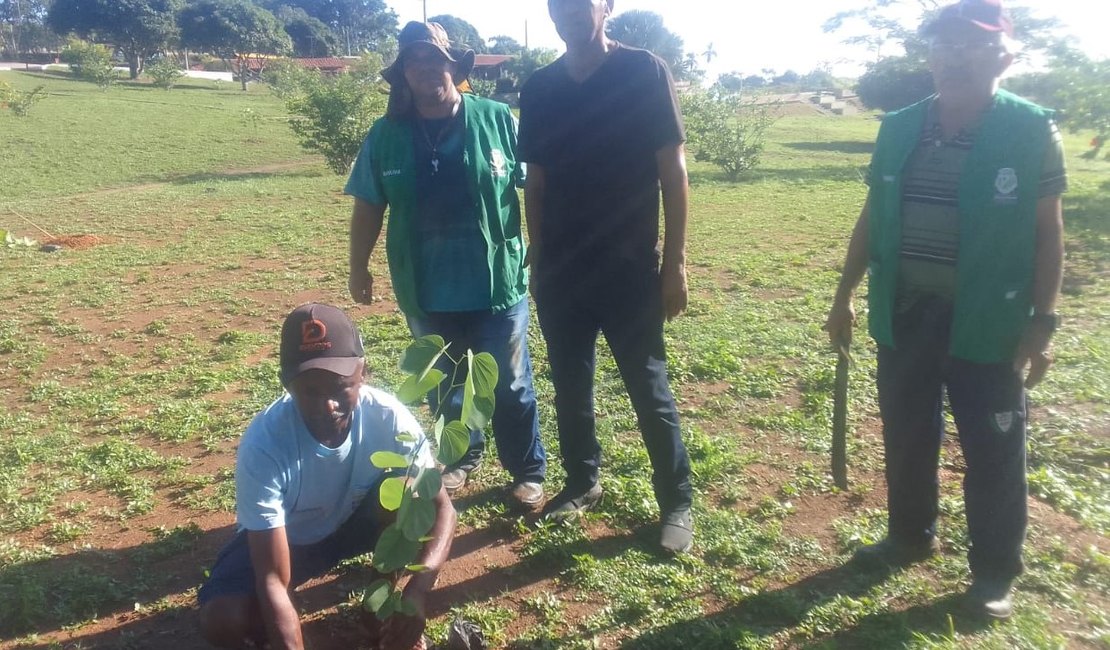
326	65
256	63
491	67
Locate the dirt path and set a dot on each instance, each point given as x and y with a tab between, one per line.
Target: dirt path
232	172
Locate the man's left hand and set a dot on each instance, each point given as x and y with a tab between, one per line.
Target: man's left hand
1033	352
675	292
400	632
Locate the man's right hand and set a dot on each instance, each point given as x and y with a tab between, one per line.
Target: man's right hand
839	323
361	285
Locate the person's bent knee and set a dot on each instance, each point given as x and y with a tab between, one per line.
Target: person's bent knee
226	621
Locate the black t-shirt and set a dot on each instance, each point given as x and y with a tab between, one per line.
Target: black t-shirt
596	142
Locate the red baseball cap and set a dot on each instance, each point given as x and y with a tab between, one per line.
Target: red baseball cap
319	336
987	15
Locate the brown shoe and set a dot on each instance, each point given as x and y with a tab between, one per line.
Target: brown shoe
525	495
453	479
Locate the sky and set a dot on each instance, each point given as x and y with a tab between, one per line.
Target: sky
747	37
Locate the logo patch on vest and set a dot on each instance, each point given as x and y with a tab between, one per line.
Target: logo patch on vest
497	163
1005	186
1003	421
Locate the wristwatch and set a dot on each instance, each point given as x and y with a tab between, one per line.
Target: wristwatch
1050	320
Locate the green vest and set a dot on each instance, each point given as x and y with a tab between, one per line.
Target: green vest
489	153
997	201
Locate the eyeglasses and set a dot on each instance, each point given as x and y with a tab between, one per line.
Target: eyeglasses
949	48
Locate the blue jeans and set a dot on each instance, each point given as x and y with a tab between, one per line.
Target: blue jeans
516	424
989	408
625	303
232	574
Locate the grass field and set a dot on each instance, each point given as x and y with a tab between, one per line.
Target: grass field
129	369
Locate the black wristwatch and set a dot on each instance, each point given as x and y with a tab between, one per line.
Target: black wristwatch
1050	320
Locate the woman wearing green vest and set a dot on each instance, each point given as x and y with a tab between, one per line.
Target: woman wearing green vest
445	165
962	240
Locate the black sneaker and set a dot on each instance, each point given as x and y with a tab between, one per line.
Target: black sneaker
677	531
990	599
893	554
569	503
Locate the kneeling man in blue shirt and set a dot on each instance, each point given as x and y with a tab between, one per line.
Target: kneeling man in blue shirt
306	494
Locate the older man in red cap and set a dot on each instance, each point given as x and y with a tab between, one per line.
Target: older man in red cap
962	239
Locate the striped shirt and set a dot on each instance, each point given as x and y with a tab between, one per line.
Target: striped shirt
930	218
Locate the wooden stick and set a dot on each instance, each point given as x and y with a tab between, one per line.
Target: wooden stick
40	228
840	420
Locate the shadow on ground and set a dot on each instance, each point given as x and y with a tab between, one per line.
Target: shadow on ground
838	146
768	613
63	591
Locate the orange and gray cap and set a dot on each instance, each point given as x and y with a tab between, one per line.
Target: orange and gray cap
319	336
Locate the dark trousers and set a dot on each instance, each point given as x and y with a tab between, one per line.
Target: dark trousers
989	408
625	305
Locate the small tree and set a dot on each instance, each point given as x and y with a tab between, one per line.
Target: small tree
139	28
527	62
90	62
233	29
332	114
724	129
895	82
164	73
1083	95
410	490
20	102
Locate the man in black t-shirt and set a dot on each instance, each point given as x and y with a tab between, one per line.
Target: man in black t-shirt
601	132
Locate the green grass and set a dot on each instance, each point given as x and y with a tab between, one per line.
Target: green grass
129	369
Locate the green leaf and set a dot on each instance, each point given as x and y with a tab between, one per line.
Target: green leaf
483	411
416	568
415	387
390	606
483	368
388	460
392	492
428	483
416	517
394	551
468	391
422	354
406	608
376	595
405	436
438	431
453	443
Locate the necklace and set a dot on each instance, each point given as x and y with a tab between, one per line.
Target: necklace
434	146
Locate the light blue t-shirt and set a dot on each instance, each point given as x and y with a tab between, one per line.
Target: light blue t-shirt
284	477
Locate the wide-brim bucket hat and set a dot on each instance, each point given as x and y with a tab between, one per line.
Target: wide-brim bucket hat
416	34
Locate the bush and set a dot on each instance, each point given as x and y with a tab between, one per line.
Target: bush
90	62
724	129
333	114
483	87
19	101
894	82
164	73
286	79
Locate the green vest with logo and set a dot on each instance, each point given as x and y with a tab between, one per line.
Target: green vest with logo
997	201
489	153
